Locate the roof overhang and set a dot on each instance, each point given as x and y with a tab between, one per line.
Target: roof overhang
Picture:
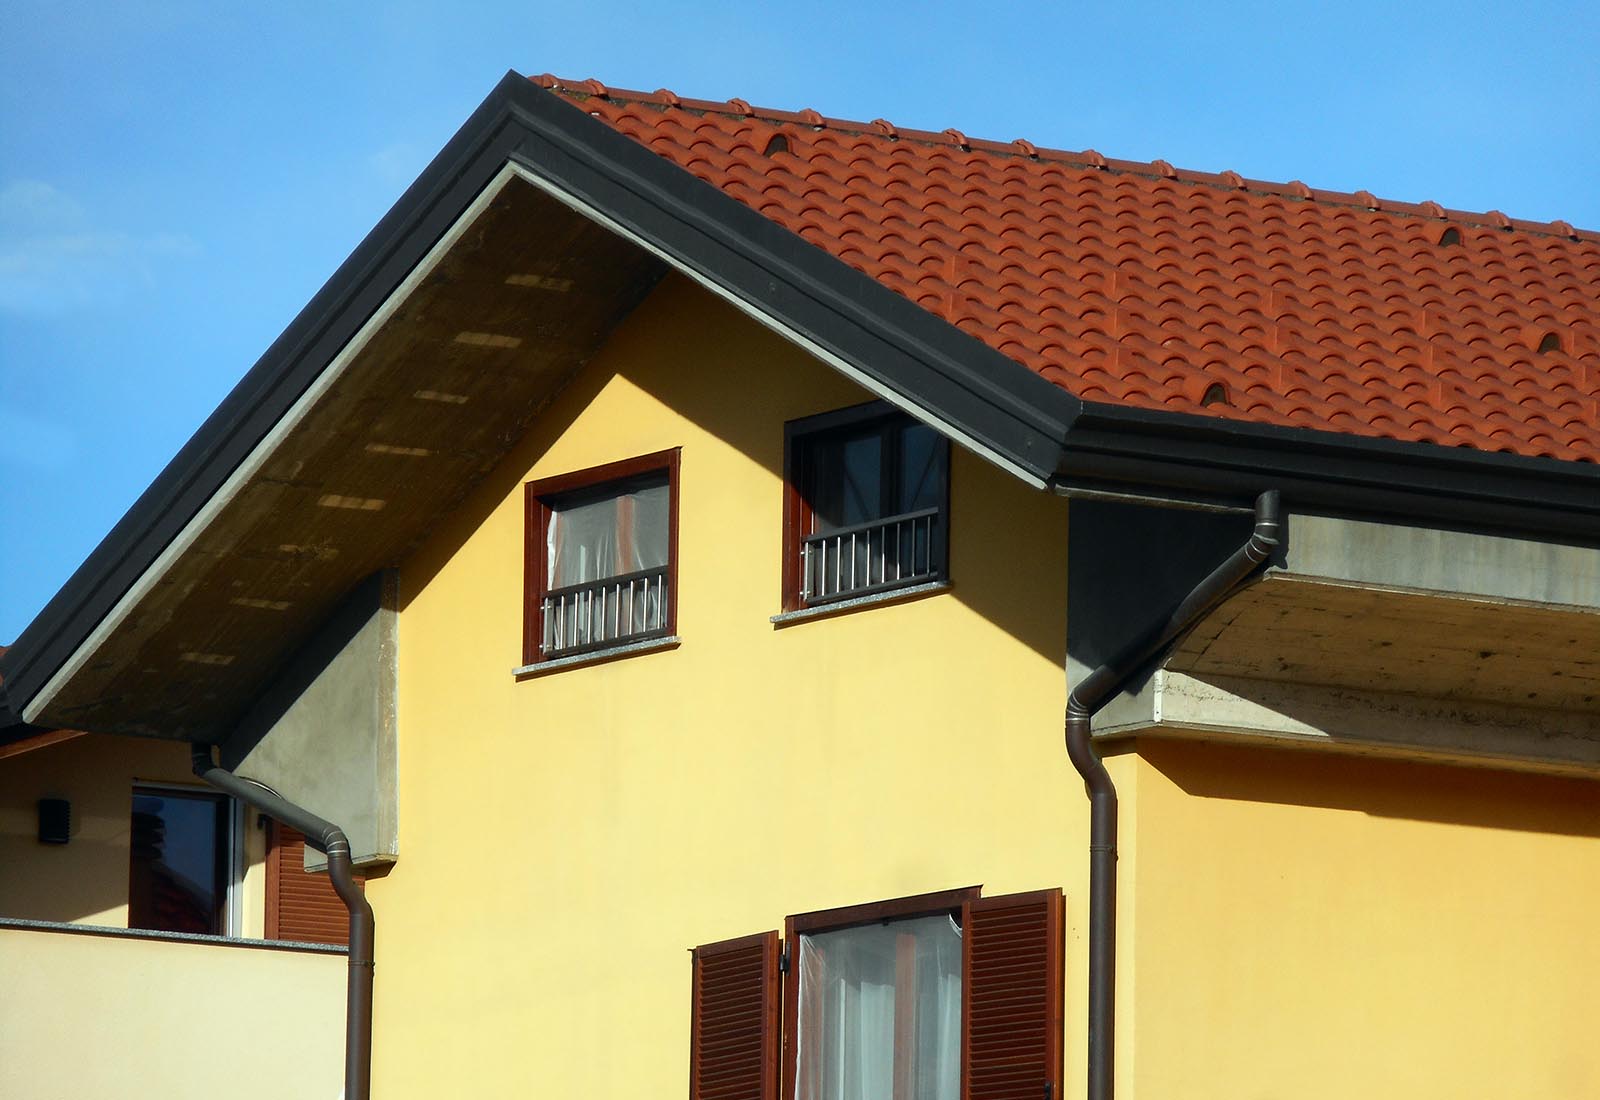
278	506
528	177
1127	449
1393	640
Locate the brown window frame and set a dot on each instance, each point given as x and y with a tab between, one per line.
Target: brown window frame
800	437
834	920
1012	968
539	496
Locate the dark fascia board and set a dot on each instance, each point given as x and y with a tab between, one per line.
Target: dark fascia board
1110	447
955	379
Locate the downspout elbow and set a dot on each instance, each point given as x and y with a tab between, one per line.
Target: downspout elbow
328	838
1265	539
1081	752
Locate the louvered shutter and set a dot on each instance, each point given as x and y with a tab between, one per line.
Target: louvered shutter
1011	980
733	1043
300	906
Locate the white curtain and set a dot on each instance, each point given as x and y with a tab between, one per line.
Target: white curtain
603	538
866	991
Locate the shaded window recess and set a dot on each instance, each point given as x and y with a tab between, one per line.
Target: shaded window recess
866	505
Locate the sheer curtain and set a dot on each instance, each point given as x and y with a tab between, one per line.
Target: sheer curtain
617	534
624	534
880	1012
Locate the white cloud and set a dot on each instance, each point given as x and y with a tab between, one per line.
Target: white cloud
52	258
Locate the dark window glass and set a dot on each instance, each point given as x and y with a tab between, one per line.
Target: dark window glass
922	454
872	486
177	874
847	481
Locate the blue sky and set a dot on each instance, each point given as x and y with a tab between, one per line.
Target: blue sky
177	179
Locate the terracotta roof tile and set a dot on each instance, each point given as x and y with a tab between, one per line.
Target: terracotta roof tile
1202	293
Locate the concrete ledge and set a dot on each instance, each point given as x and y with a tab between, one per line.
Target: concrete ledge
598	656
168	937
1462	731
875	599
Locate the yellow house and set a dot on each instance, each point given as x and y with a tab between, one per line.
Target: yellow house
776	606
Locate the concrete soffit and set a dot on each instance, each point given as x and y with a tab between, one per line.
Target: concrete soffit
1394	641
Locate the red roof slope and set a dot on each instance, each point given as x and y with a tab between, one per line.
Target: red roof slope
1140	284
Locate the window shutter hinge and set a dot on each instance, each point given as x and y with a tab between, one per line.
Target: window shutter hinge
783	959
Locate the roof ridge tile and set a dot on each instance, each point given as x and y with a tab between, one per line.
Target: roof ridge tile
1492	218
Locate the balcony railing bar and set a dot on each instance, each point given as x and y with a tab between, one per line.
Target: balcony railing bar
581	617
885	553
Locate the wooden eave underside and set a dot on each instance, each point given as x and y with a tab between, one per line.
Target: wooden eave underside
426	408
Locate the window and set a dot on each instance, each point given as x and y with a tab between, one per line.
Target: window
180	861
866	506
601	558
936	997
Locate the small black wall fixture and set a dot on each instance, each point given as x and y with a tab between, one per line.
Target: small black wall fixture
1092	693
329	839
55	821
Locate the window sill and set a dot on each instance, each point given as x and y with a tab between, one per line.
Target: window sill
597	656
876	599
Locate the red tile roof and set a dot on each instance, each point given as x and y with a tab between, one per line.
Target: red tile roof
1146	285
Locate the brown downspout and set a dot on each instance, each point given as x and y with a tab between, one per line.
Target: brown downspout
329	839
1092	693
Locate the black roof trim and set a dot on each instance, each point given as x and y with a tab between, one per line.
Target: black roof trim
1112	446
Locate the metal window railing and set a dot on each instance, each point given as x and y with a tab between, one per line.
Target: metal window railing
624	608
870	557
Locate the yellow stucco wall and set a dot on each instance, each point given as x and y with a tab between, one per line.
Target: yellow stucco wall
1292	925
100	1017
86	880
567	839
1315	927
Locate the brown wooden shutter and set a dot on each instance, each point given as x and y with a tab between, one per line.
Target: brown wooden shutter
1011	950
301	907
733	1039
